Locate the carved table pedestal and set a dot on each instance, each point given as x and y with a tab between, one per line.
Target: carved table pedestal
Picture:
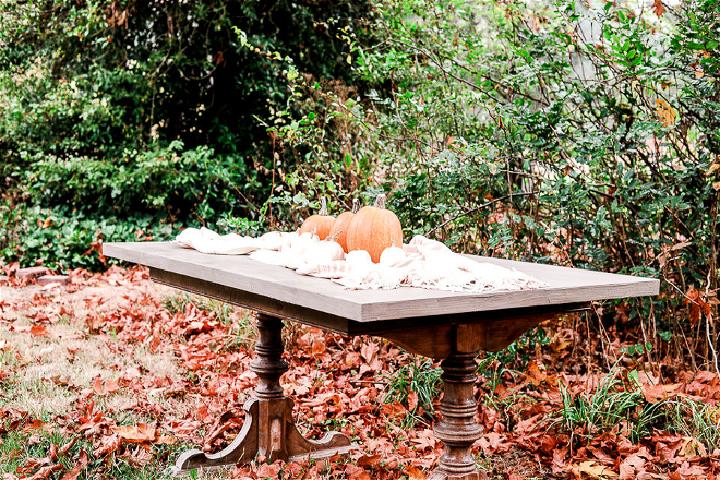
269	429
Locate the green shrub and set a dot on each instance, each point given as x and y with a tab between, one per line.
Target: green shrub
61	239
551	132
172	180
117	111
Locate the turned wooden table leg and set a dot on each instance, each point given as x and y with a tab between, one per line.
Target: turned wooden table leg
458	429
268	429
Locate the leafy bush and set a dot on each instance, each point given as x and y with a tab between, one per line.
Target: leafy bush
127	109
552	132
61	239
171	180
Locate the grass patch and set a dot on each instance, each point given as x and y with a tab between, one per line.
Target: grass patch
419	380
18	450
696	419
619	401
238	320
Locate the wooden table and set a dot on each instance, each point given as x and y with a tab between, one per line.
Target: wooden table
449	326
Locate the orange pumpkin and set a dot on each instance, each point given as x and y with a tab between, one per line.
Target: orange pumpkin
374	229
342	222
319	224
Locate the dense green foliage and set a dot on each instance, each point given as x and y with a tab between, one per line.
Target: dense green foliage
581	136
558	132
134	114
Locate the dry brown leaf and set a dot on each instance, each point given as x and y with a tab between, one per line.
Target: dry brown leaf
658	7
659	393
140	433
105	387
269	471
38	331
414	473
594	471
665	113
74	473
412	400
46	472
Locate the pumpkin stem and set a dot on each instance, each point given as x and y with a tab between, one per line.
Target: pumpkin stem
323	206
355	205
380	201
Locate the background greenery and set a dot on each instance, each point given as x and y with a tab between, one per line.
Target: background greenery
564	132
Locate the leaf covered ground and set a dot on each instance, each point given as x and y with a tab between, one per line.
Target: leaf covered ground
112	376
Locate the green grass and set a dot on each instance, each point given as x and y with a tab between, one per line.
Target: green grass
178	303
614	402
620	401
17	448
419	377
693	418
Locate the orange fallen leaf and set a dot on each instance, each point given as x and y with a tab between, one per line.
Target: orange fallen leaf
594	471
658	7
107	446
268	471
535	376
105	387
414	473
140	433
359	475
74	473
46	472
660	392
369	460
38	331
412	400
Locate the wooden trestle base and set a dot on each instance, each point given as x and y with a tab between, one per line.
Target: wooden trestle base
269	429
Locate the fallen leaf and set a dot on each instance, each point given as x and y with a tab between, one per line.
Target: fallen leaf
141	433
46	472
74	472
665	113
658	7
108	445
369	460
414	473
594	471
660	393
38	331
412	400
105	387
268	471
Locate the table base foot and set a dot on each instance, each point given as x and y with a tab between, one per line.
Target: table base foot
442	475
269	431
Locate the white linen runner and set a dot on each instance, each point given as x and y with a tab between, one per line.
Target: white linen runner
422	263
